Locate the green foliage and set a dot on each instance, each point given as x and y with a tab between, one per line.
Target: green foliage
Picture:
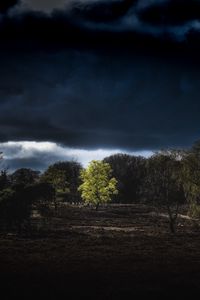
167	179
56	178
194	210
191	176
65	178
98	186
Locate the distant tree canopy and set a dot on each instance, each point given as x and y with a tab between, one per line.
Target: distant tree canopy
191	178
55	177
24	177
163	178
163	183
65	178
167	179
4	181
129	172
98	185
26	190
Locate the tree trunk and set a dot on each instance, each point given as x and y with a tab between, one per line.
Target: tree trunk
97	206
172	219
55	204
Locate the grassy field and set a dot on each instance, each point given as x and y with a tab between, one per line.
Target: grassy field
117	252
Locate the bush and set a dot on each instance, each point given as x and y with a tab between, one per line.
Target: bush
15	209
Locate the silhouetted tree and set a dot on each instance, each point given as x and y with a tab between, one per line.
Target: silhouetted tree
24	177
4	180
164	186
191	178
15	209
42	196
65	177
129	172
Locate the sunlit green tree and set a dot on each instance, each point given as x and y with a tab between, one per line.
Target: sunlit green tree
98	185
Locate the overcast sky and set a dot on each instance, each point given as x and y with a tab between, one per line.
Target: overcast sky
87	75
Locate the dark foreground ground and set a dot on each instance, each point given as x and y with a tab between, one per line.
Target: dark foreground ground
116	253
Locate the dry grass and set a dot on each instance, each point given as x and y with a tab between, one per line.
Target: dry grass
117	252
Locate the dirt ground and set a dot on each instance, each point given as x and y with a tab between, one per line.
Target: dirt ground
117	252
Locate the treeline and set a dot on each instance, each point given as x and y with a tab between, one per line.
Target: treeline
25	192
168	179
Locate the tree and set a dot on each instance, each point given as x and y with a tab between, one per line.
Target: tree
164	184
71	170
24	177
4	182
42	196
191	178
65	178
129	171
97	185
15	208
57	179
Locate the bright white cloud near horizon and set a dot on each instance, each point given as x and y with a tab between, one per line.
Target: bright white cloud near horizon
39	155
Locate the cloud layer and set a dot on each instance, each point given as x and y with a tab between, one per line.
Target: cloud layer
89	99
39	155
72	21
5	5
120	74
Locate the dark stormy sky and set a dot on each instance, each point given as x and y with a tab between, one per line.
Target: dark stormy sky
83	79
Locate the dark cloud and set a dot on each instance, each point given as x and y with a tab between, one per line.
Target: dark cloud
101	74
171	12
88	100
5	5
102	11
103	23
46	6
